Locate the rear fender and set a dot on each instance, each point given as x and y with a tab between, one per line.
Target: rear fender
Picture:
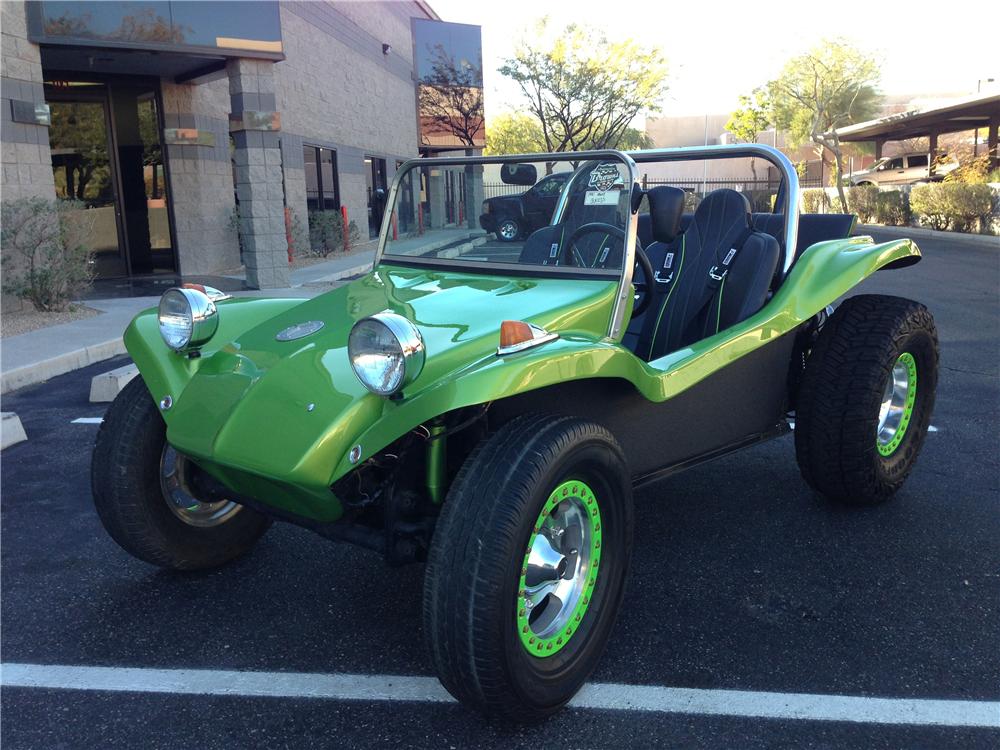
823	273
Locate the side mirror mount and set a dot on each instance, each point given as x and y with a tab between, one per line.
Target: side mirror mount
519	174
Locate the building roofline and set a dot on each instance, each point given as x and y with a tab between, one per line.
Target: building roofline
427	9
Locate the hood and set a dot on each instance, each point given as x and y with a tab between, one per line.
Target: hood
292	409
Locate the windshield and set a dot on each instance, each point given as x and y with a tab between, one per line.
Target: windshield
547	217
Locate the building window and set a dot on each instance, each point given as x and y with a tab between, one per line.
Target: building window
322	185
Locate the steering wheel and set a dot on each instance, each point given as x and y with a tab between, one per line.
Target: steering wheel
642	288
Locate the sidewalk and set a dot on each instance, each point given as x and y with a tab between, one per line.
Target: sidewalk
42	354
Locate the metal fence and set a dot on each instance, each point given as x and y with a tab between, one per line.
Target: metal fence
497	189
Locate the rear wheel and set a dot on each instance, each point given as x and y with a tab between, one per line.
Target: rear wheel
143	495
866	398
527	566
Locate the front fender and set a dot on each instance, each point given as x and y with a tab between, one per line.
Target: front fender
165	371
824	272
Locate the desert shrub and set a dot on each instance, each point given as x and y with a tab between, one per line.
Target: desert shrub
863	200
815	201
952	204
326	232
927	202
45	255
892	208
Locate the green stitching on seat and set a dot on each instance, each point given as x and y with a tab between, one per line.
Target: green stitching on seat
673	285
718	310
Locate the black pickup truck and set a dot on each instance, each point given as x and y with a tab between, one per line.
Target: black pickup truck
511	217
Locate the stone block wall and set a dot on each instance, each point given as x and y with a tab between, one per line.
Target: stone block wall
201	179
25	154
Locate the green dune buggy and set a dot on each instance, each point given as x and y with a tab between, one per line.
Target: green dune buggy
489	407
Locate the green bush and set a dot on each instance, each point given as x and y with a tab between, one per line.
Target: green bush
815	201
45	256
863	200
892	208
952	205
326	232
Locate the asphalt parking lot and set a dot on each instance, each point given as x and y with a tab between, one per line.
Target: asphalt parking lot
741	580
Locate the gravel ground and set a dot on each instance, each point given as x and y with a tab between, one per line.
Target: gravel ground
16	323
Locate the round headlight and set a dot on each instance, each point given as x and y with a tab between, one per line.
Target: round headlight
386	352
188	318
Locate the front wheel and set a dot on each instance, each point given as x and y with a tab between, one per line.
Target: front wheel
866	398
142	492
527	566
508	229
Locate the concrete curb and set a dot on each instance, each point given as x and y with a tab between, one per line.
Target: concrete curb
60	365
915	233
343	274
11	430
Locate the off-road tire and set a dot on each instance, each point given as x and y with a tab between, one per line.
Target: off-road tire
471	580
125	480
837	414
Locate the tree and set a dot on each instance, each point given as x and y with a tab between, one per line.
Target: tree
584	90
513	133
451	97
829	87
751	117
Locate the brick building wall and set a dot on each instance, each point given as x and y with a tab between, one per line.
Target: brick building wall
338	88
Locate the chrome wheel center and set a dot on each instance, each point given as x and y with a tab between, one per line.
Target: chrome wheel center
508	230
174	475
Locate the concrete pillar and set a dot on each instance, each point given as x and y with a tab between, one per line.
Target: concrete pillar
254	124
473	195
933	151
991	142
879	143
436	187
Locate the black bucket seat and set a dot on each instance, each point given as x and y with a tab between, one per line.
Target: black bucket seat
719	274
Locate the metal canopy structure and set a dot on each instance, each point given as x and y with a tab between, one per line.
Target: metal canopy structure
970	113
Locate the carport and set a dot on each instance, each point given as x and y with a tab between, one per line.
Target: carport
971	113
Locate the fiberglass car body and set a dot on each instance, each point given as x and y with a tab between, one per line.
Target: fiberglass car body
488	408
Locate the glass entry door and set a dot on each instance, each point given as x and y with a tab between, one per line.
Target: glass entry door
82	164
107	154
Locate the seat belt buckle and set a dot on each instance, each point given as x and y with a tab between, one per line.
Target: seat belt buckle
718	275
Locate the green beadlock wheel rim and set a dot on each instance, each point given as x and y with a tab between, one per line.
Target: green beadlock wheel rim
897	404
559	570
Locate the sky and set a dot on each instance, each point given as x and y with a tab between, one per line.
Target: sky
720	49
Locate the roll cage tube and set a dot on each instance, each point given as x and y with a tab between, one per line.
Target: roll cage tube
616	324
744	150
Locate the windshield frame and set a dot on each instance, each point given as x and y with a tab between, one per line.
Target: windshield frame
623	275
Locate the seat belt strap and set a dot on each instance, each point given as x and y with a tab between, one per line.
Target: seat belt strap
716	276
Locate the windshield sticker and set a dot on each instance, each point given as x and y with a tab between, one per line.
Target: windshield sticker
605	176
599	198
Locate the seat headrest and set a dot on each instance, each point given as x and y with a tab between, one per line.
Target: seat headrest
666	204
721	217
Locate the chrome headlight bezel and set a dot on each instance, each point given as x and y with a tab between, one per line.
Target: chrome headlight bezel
201	315
410	353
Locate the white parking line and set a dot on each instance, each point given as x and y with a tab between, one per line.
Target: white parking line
612	696
87	420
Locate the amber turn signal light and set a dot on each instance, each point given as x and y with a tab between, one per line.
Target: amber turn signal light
516	336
